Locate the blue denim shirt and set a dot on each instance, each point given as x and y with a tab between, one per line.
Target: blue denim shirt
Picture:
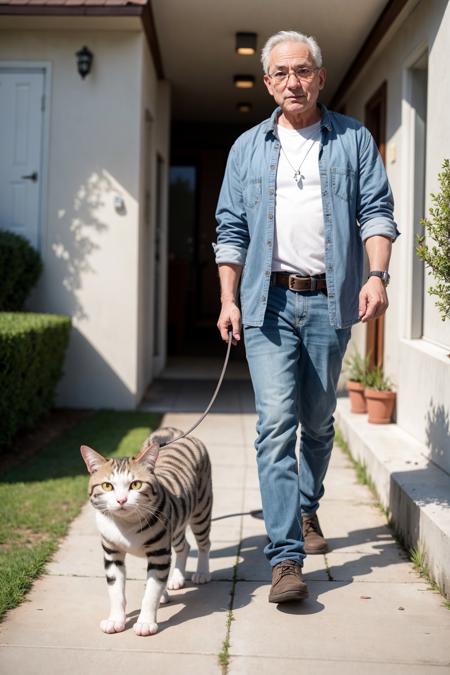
357	204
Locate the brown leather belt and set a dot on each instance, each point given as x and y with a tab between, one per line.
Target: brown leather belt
295	282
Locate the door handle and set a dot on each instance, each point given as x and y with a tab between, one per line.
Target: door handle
32	176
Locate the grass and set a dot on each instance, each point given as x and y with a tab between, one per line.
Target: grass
40	497
224	654
419	561
416	555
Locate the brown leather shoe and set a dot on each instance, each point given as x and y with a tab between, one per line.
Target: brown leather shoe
313	535
287	582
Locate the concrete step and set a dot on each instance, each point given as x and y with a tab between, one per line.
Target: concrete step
414	490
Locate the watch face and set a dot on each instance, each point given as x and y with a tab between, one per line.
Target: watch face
384	276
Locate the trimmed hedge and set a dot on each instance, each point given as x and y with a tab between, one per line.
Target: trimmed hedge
20	268
32	348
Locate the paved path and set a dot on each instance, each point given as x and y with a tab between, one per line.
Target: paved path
368	612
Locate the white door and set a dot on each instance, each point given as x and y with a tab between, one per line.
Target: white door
21	118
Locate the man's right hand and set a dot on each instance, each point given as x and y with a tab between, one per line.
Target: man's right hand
230	318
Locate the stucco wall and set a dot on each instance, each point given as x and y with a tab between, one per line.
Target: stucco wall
90	251
154	158
420	368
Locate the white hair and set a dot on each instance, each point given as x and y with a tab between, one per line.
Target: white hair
290	36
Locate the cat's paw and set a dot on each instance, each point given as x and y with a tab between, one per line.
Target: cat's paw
201	578
112	625
176	580
165	598
144	629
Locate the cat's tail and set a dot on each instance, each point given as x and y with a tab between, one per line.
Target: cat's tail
165	435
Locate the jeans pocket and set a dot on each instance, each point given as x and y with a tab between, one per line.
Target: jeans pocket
253	192
343	182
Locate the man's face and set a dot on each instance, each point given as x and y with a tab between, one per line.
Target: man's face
295	95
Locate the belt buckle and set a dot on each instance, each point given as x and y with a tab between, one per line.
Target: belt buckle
292	279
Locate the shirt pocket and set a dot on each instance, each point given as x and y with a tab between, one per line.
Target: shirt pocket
253	193
343	182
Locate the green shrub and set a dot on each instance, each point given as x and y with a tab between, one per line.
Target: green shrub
20	268
434	248
32	348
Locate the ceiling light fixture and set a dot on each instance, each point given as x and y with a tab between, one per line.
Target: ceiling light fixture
244	107
244	81
246	43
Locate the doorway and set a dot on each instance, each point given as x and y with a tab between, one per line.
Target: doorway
375	121
22	110
199	154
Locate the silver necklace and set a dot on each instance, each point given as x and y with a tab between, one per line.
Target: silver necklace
298	176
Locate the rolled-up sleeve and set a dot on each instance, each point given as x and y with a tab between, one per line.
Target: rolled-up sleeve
375	205
232	229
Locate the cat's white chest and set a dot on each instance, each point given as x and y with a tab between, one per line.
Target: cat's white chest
122	535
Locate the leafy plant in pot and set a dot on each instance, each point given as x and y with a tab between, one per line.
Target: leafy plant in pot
380	397
355	366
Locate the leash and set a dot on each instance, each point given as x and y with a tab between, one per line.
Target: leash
225	363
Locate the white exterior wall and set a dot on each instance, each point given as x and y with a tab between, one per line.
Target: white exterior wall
155	135
90	250
419	367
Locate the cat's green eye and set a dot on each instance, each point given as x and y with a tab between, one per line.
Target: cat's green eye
107	487
136	485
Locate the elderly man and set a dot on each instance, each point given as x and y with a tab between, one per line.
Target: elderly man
303	192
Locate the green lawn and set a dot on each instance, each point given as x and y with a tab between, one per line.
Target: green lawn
40	497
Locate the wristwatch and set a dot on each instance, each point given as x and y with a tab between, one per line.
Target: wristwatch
384	276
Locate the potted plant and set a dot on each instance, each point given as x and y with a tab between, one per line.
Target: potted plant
355	367
380	396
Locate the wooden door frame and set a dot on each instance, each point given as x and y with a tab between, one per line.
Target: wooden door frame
375	121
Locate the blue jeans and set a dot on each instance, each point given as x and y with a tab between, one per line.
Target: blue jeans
294	359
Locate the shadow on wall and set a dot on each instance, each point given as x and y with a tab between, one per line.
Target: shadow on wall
93	382
77	237
438	434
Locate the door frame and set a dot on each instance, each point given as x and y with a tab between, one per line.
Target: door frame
376	105
44	67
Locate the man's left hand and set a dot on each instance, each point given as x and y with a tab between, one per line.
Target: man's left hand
373	300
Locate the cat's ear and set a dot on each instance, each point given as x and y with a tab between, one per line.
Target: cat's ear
148	454
92	458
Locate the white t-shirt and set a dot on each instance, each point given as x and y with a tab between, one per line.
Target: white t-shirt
299	243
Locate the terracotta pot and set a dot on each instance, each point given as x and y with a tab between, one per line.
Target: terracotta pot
380	405
357	398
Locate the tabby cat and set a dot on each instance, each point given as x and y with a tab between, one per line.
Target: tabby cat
143	506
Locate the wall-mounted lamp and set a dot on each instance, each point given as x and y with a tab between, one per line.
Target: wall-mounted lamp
244	107
84	61
246	43
244	81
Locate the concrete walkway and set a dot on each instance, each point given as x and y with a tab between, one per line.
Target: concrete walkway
368	612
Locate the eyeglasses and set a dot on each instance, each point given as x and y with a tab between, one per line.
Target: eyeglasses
302	73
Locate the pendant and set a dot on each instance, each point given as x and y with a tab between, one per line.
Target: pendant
299	179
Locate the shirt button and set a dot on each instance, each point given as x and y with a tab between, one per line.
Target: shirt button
272	166
271	191
269	242
270	216
263	299
267	273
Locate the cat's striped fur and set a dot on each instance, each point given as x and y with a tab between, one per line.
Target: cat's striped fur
143	506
